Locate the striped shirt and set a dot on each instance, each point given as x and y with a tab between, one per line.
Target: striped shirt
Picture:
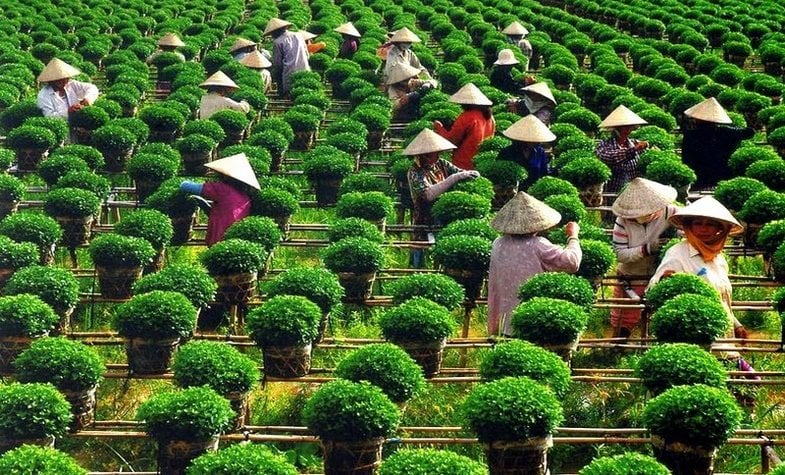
629	236
622	160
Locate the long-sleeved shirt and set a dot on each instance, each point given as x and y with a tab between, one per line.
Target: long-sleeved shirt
229	206
290	55
213	102
503	80
397	56
469	130
628	238
621	158
420	178
53	104
514	260
348	48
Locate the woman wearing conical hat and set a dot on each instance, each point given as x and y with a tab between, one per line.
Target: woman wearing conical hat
400	54
310	45
516	34
620	152
168	44
520	253
503	74
218	86
241	47
63	94
642	211
706	224
257	61
528	135
471	127
429	177
709	141
351	40
230	194
537	100
290	54
405	89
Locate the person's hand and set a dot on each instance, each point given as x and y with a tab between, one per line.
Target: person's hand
512	105
469	174
437	124
572	229
667	274
641	145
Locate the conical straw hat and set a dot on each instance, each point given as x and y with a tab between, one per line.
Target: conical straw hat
427	141
529	129
275	24
525	214
470	94
506	56
256	60
515	28
237	167
401	72
241	43
348	29
542	89
57	69
707	207
220	79
170	39
642	197
710	111
306	35
404	35
621	116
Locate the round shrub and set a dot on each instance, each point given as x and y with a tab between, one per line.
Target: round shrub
233	256
33	411
455	205
771	236
32	227
115	250
216	365
479	186
194	414
585	172
735	192
520	358
284	320
30	136
15	255
354	254
53	168
417	319
354	227
745	156
430	461
438	288
55	286
206	128
370	205
678	284
558	285
155	315
66	364
550	185
318	285
549	321
570	207
630	463
676	364
762	207
324	162
71	202
190	280
769	172
274	202
258	229
470	227
149	224
31	459
598	258
669	172
386	366
26	315
463	252
242	459
690	318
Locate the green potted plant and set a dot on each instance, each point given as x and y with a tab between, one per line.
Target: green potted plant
23	318
35	227
690	318
421	327
588	175
153	324
354	227
169	200
32	413
685	439
206	127
116	143
675	285
75	210
465	259
373	206
384	365
598	258
56	125
234	124
762	207
185	424
272	141
119	261
376	120
735	192
558	285
430	461
305	126
326	167
630	463
769	172
41	460
455	205
149	171
151	225
234	264
356	261
554	324
15	256
220	367
53	168
364	181
72	367
736	52
514	419
352	421
674	364
551	185
262	230
56	286
285	327
12	191
505	176
196	150
277	204
84	121
520	358
165	123
191	280
242	459
30	143
438	288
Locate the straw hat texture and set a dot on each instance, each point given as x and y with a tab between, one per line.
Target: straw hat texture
275	24
542	89
256	60
402	72
237	167
219	79
427	141
170	39
506	57
306	35
525	214
642	197
710	111
515	28
347	29
529	129
241	43
471	95
707	207
620	117
57	69
404	35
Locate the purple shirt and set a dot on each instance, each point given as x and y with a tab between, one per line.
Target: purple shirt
229	206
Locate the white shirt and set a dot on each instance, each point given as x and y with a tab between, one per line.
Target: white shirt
213	102
53	104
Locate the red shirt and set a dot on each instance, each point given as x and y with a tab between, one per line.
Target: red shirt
229	205
469	129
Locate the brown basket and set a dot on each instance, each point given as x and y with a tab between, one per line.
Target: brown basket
352	458
5	274
428	355
10	347
235	289
502	194
145	188
193	163
81	136
8	207
375	139
76	231
326	190
174	456
64	324
47	255
183	227
239	403
592	195
357	286
528	457
286	361
470	280
27	159
117	282
684	459
82	407
149	356
115	160
303	140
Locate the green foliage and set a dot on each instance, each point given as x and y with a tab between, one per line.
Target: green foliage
155	315
233	256
430	461
26	315
671	173
15	255
770	172
763	206
558	285
500	172
284	320
549	321
90	155
455	205
66	364
194	414
325	161
354	254
30	136
386	366
169	200
354	227
463	252
690	318
58	126
274	202
205	127
91	118
56	286
735	192
161	117
242	459
585	172
678	284
192	281
673	416
438	288
346	411
71	202
369	205
630	463
570	207
417	319
53	168
470	227
151	167
214	364
113	138
771	236
231	121
317	284
598	258
511	409
675	364
520	358
31	459
33	411
550	185
149	224
348	142
115	250
258	229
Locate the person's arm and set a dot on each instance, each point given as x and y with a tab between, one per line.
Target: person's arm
566	259
458	131
421	189
670	265
191	187
610	152
621	245
47	105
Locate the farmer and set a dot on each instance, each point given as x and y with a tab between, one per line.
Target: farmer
400	53
218	86
528	135
257	61
620	152
290	54
168	44
516	34
351	40
405	89
62	94
471	127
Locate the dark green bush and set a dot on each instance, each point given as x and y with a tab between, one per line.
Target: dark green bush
762	207
354	254
66	364
558	285
33	411
214	364
386	366
195	414
39	460
115	250
520	358
690	318
630	463
156	315
675	364
417	319
354	227
598	258
678	284
430	461
284	320
549	321
233	256
317	284
242	459
455	205
463	252
438	288
735	192
14	255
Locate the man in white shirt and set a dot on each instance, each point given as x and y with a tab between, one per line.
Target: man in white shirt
218	86
63	95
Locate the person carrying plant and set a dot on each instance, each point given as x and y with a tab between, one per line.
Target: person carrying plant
520	254
257	61
62	94
537	99
528	135
401	54
516	34
709	141
502	77
429	177
405	89
471	127
290	54
620	152
168	44
351	40
642	211
230	194
218	86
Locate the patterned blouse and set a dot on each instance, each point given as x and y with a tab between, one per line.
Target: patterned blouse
622	160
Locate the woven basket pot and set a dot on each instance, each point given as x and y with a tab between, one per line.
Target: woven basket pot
352	458
683	459
117	282
150	356
525	457
82	407
286	361
427	354
174	456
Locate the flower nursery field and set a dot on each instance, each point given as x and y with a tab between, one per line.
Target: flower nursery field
102	190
